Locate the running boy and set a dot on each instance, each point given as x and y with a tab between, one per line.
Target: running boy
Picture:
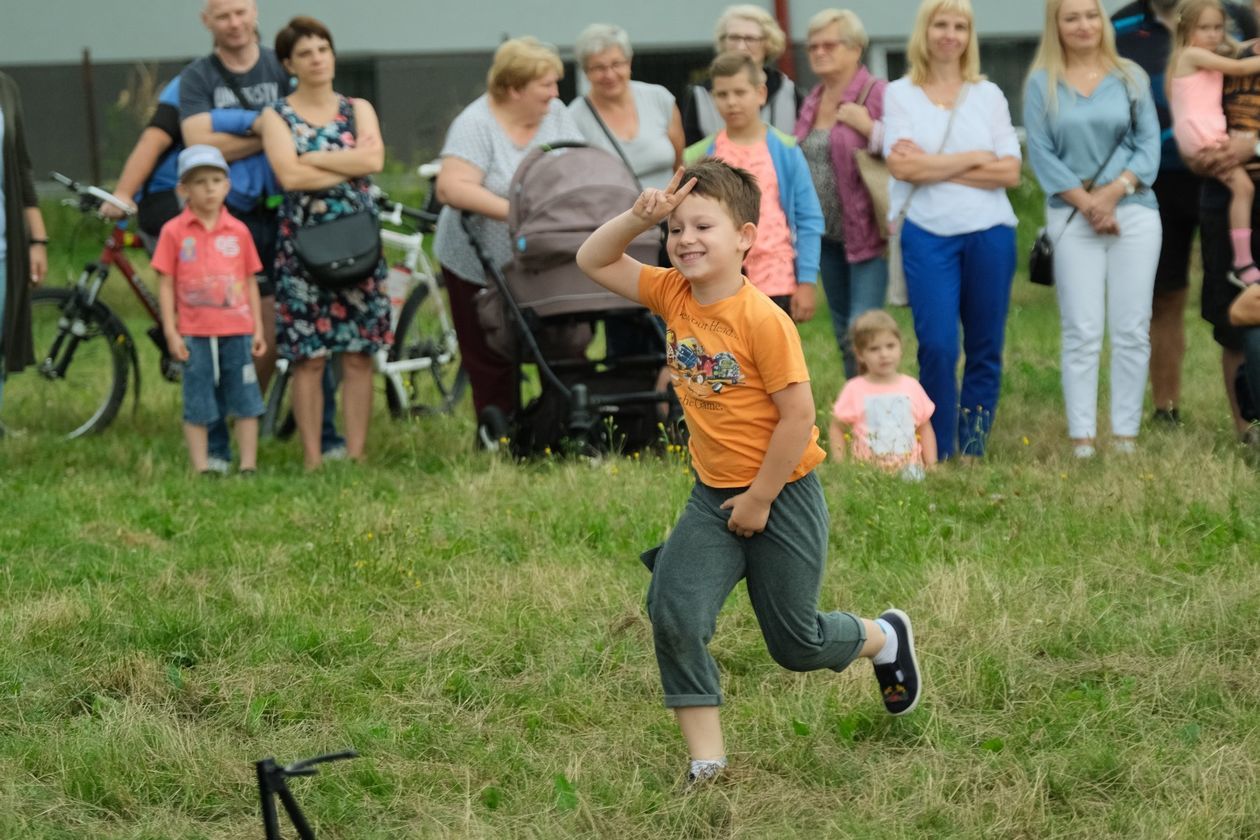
206	263
784	260
757	509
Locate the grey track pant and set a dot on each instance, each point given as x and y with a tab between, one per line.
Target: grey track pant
696	568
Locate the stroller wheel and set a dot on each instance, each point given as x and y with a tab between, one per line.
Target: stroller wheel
492	429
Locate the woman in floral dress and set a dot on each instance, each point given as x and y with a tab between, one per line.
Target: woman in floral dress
323	147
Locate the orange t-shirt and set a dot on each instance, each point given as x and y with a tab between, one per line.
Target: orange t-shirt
725	360
771	264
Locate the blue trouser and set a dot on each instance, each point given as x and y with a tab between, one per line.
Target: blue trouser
220	445
851	289
951	280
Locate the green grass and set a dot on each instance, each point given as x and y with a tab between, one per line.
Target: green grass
475	628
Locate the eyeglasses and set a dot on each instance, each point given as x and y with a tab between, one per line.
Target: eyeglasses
825	46
743	39
611	67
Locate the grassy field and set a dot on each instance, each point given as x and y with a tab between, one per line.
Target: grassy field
475	628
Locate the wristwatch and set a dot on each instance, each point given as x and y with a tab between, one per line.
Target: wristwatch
1130	184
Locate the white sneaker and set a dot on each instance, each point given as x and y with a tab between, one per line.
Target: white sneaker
336	453
1124	446
218	465
1083	451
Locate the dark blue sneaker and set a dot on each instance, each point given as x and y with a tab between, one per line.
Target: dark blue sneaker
899	681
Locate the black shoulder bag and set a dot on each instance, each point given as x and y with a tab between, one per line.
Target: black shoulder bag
1041	257
340	252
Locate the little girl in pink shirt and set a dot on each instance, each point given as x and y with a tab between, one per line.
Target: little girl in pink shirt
1196	75
888	412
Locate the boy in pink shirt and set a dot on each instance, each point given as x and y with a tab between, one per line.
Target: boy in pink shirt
783	262
206	261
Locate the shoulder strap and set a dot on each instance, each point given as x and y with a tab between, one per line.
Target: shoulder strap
866	92
590	106
949	124
229	80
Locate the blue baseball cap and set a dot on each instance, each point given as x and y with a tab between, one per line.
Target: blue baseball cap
195	157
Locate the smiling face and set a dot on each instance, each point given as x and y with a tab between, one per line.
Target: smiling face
948	34
747	36
738	100
312	61
1080	25
704	242
608	72
534	98
881	355
232	23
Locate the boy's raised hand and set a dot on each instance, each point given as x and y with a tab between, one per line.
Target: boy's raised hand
654	206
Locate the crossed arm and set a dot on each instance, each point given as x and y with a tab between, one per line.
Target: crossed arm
322	170
982	170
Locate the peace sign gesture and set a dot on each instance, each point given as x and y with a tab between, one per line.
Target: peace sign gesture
654	206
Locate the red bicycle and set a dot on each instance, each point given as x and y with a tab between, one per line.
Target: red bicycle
84	352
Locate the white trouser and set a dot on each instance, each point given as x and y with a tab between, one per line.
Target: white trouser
1105	281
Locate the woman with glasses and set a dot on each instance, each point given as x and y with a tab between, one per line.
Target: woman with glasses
752	30
842	115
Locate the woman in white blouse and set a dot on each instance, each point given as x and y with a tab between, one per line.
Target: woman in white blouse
952	152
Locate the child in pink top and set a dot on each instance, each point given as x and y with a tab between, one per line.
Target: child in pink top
784	260
888	412
1196	74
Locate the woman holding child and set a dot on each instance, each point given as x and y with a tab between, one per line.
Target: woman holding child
952	152
323	147
1093	141
483	148
840	117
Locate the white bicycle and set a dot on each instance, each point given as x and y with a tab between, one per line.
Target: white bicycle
421	371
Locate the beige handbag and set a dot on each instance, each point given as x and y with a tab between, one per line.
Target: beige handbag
874	173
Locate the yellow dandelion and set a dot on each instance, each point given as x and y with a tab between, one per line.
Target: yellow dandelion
1026	440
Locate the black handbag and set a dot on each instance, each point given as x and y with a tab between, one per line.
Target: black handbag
1041	256
340	252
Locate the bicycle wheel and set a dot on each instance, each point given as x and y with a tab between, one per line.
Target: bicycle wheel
79	378
277	420
425	357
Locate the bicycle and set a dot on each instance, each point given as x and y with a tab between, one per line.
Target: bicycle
84	351
421	372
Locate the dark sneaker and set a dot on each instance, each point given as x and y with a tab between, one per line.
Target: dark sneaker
1167	417
899	681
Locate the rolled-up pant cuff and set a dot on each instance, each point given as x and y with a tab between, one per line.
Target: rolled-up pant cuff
678	701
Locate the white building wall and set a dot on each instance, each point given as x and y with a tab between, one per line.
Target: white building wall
56	31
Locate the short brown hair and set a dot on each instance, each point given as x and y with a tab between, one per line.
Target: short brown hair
734	188
734	62
870	324
295	30
519	61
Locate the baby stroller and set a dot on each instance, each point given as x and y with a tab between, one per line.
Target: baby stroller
541	308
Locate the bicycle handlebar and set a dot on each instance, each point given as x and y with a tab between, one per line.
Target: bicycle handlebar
88	191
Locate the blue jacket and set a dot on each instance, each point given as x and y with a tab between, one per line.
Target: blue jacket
796	196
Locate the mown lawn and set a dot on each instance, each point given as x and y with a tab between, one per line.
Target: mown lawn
475	628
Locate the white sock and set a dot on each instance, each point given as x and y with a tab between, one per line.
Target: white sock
706	768
888	653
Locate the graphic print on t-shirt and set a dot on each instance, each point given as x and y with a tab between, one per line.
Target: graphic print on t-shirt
889	425
701	374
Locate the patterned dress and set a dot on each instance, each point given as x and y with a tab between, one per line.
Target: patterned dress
312	321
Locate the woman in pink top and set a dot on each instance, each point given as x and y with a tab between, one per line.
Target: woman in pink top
888	412
1196	73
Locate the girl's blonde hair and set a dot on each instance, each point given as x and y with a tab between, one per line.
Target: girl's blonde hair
1052	58
1188	14
519	61
917	54
776	41
868	325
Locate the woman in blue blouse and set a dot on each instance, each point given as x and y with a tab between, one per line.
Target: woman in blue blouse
1081	99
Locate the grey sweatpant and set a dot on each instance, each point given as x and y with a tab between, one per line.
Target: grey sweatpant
699	564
